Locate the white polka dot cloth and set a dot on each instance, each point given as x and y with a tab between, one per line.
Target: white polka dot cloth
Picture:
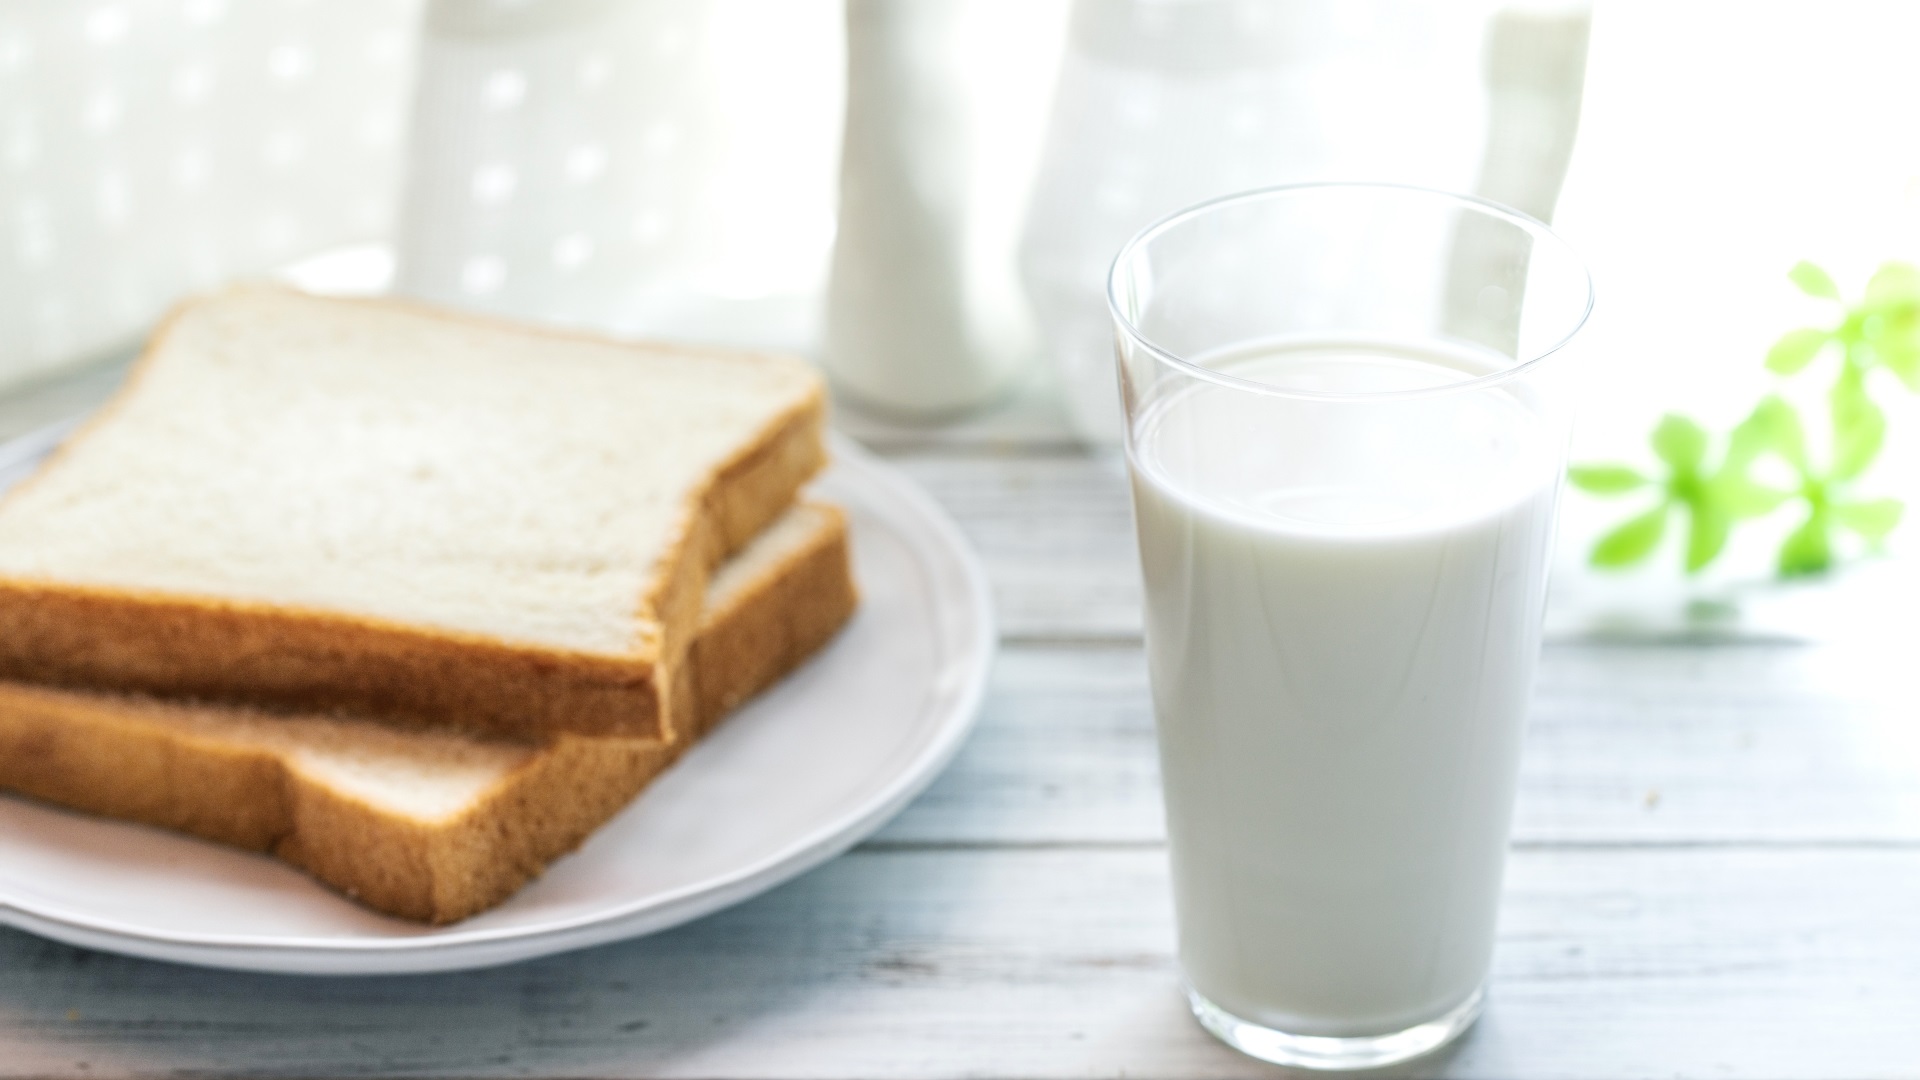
661	167
653	166
149	147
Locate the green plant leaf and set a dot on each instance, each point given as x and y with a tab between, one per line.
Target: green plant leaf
1873	519
1706	534
1748	440
1895	284
1898	347
1859	427
1742	498
1605	479
1813	281
1883	330
1633	541
1808	549
1796	349
1852	329
1903	359
1774	426
1680	442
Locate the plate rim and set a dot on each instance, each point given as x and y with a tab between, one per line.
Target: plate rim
973	654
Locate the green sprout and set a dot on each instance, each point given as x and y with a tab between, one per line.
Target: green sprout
1711	497
1882	331
1714	494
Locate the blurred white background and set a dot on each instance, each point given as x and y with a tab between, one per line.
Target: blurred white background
155	146
673	168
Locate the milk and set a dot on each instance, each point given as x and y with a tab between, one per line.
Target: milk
1343	615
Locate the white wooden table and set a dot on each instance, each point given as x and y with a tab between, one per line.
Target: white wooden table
1715	873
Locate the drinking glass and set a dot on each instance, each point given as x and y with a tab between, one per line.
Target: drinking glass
1346	436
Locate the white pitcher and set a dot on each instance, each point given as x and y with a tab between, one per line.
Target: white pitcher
1164	103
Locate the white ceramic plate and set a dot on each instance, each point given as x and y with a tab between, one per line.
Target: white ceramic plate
798	776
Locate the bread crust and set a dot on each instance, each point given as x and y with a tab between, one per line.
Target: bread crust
294	657
118	756
741	651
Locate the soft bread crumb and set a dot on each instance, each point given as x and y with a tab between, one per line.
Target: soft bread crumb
374	460
427	518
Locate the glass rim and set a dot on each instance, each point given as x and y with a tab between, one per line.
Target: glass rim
1534	227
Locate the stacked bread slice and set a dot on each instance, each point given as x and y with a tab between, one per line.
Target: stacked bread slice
412	600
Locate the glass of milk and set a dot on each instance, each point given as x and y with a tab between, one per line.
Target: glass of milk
1346	443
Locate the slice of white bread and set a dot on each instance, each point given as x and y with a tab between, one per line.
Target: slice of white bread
426	517
430	825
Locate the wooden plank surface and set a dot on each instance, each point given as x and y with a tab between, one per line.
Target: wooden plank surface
1055	529
1717	874
1725	744
1043	963
1015	922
